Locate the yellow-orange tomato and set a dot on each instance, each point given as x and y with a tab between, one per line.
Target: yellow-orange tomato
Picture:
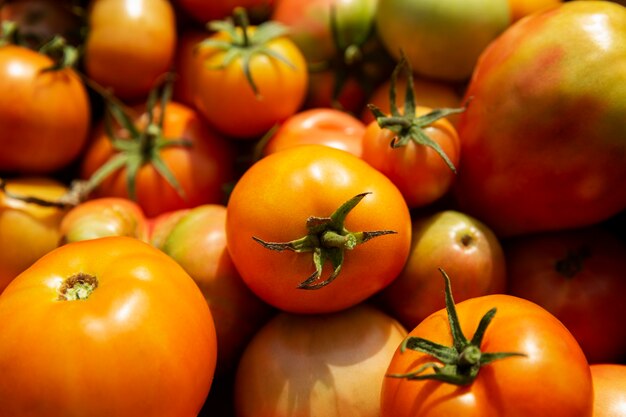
105	327
521	8
609	389
27	230
44	115
226	98
130	44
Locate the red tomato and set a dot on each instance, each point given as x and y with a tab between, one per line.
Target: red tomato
577	275
543	142
101	217
552	379
44	115
255	85
322	126
609	389
105	327
197	241
130	45
204	11
328	365
201	168
272	201
27	230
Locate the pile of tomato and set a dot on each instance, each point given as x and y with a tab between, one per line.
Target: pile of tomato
368	208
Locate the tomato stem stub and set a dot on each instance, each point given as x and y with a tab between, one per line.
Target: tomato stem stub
328	239
458	364
77	287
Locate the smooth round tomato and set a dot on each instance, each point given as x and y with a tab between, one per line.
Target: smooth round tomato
521	8
442	39
322	126
44	114
577	275
329	365
130	45
609	389
542	142
201	167
274	90
552	379
27	230
101	217
105	327
419	171
460	244
197	241
280	195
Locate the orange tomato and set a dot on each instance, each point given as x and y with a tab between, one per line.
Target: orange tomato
609	389
521	8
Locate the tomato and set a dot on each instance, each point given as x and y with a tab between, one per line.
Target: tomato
609	388
203	11
320	93
184	86
521	8
197	241
44	115
261	80
328	365
427	92
105	327
130	45
27	230
577	275
543	142
442	39
102	217
465	247
271	203
323	126
552	378
201	167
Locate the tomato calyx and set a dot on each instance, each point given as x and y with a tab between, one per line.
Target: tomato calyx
328	239
407	126
244	44
77	287
572	263
458	364
138	146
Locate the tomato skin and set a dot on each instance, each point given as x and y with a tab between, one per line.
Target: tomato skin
323	126
122	351
223	95
554	379
27	231
197	241
201	168
520	137
521	8
184	87
609	387
204	11
274	198
44	115
319	365
586	294
130	45
418	171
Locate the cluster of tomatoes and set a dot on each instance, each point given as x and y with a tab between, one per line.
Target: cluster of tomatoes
324	208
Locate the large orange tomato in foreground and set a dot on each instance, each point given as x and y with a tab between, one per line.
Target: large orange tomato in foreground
105	327
609	389
304	192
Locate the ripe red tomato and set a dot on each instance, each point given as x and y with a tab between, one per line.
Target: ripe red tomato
328	365
261	80
552	379
204	11
322	126
44	115
280	195
105	327
197	241
577	275
542	141
130	45
201	167
609	389
27	230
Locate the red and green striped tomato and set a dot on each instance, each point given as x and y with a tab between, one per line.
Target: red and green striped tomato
544	136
